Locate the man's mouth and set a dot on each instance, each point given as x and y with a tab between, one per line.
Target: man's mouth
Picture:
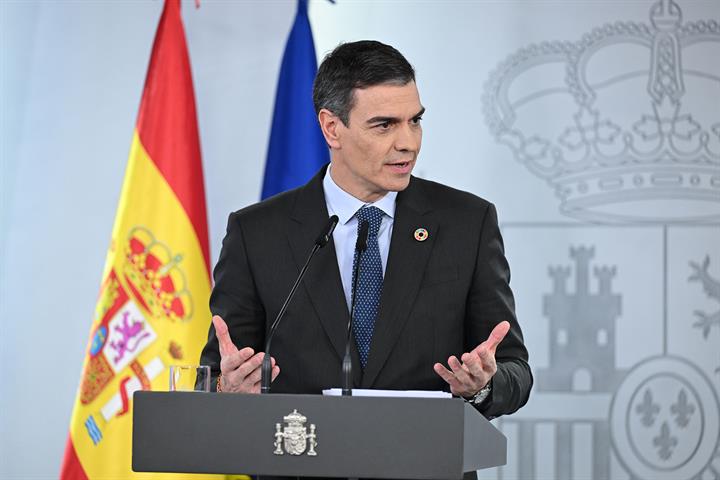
401	167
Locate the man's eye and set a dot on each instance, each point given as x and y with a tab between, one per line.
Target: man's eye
384	125
416	120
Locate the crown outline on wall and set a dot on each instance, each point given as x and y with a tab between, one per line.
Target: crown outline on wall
635	132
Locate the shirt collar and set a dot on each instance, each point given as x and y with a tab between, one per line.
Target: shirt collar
345	205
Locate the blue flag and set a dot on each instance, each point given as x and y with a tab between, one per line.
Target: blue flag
297	148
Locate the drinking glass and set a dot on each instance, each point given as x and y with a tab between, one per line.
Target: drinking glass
189	378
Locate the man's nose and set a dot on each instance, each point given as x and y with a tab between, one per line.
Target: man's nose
408	138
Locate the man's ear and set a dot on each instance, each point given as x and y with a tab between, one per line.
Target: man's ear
330	124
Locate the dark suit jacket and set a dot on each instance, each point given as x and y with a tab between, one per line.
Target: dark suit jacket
441	297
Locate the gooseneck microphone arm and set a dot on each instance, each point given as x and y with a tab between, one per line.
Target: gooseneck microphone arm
321	241
360	247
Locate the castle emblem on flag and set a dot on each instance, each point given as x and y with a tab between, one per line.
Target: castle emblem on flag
294	436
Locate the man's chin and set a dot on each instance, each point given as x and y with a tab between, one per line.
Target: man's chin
398	185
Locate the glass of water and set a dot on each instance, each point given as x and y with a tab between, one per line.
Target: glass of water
189	378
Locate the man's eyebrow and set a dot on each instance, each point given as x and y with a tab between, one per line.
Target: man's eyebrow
381	119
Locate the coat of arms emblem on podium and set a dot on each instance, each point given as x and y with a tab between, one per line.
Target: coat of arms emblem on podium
294	436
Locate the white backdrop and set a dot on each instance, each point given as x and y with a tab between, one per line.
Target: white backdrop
72	74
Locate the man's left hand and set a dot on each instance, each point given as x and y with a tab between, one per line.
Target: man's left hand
477	367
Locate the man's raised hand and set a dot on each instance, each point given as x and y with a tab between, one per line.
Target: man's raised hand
240	368
477	367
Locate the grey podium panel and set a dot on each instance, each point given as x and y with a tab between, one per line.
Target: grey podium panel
360	437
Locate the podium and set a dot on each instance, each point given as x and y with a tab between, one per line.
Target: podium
356	437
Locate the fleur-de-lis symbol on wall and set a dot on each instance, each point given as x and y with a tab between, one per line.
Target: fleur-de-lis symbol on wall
682	409
647	409
665	442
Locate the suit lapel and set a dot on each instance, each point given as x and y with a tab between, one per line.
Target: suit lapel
322	279
404	272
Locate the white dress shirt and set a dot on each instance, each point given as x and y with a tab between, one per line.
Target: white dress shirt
344	205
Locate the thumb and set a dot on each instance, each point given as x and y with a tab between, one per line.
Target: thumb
498	334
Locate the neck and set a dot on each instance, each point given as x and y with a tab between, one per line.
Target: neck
344	179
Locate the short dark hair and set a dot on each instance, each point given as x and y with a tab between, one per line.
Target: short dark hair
357	65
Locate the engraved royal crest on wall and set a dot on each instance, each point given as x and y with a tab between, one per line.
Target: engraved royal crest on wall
623	299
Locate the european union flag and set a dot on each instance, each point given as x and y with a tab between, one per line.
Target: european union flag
297	148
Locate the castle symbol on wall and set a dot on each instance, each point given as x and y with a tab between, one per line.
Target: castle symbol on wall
619	124
582	329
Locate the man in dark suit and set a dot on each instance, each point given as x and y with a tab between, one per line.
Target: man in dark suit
438	283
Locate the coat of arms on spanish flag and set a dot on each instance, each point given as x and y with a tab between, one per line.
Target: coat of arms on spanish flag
152	310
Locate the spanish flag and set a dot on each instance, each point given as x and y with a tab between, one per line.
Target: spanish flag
152	310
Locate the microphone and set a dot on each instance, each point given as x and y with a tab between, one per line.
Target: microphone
360	247
321	241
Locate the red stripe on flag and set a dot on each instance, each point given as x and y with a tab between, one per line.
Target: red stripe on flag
71	468
124	397
167	121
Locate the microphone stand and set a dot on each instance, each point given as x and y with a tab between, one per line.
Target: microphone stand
266	369
360	248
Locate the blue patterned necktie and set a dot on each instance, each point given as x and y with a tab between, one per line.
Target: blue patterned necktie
369	283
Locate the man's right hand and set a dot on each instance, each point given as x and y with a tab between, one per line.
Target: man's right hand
240	368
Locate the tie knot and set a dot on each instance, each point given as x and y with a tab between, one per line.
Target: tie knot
373	216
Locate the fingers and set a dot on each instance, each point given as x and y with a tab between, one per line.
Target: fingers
231	362
227	347
247	375
477	367
473	363
497	335
461	382
241	369
275	373
248	367
481	361
462	374
254	376
446	375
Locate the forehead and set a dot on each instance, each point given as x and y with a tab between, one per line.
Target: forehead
387	100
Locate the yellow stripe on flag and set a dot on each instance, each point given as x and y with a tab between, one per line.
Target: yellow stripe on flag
152	312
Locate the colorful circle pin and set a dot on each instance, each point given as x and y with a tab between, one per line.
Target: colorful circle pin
421	234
